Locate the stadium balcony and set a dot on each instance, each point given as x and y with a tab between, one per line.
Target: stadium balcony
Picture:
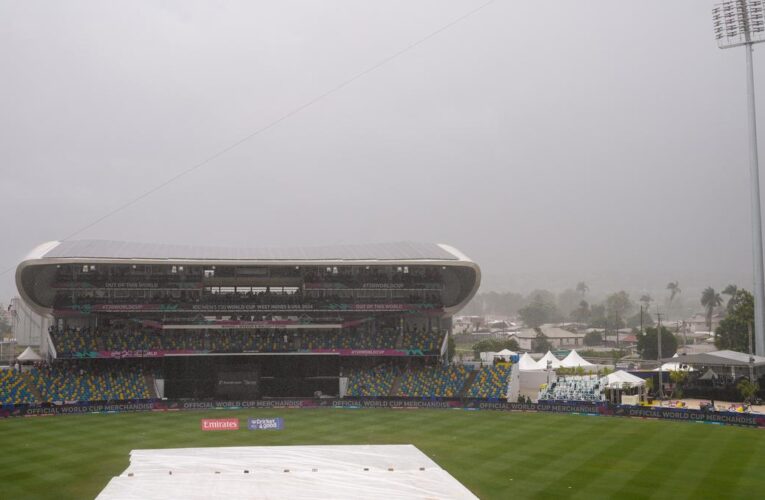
490	383
433	382
14	388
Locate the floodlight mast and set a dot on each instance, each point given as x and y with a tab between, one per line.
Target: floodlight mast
736	23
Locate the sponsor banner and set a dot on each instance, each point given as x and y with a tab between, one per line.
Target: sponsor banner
264	424
396	403
362	352
220	424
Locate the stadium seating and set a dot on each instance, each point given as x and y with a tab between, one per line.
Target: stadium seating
426	341
441	382
74	340
573	388
371	382
490	383
63	382
14	388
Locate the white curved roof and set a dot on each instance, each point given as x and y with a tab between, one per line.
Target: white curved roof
105	249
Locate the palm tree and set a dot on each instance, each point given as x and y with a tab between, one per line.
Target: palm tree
710	299
582	288
646	300
674	290
730	291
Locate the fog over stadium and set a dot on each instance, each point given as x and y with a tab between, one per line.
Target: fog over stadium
551	142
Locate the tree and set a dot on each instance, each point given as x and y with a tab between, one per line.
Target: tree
598	316
730	291
648	344
582	288
568	300
678	378
582	313
747	389
646	300
710	299
618	306
494	345
593	338
540	311
540	343
733	332
674	290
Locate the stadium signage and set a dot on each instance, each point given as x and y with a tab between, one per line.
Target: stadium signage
264	424
220	424
677	414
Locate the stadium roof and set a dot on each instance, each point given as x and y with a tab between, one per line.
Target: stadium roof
104	249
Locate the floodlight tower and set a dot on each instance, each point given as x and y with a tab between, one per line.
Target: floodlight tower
736	23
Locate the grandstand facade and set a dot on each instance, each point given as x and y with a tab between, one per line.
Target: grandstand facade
197	322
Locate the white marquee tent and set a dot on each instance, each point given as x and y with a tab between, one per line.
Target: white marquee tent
618	379
527	363
574	360
542	363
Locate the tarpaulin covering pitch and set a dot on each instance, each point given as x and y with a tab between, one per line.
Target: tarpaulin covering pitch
296	472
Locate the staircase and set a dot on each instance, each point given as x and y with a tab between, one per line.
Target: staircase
469	382
149	379
395	386
32	387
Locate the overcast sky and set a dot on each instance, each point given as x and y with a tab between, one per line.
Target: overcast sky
550	141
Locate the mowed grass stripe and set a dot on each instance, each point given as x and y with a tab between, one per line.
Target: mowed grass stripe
75	456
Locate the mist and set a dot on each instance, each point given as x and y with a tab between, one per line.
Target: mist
551	142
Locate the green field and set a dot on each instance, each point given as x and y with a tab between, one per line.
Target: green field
495	454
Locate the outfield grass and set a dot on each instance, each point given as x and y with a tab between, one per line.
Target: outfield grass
495	454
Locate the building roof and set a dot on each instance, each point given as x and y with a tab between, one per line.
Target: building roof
718	358
105	249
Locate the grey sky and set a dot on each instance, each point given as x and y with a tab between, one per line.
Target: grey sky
550	141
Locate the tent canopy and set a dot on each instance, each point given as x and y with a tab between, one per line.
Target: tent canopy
718	358
618	379
29	355
527	363
506	352
675	367
542	363
573	360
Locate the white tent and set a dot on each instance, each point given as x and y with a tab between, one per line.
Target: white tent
675	367
709	375
542	363
617	380
29	355
505	354
527	363
573	360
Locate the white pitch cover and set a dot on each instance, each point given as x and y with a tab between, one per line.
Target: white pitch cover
294	472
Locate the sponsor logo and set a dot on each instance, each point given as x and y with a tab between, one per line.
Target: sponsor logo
263	424
220	424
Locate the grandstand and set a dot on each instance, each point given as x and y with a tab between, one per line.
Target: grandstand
135	321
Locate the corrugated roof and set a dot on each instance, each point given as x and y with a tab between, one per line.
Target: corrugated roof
104	249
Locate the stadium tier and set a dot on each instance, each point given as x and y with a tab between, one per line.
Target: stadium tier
490	383
14	388
265	322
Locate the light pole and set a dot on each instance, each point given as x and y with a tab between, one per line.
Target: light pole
736	23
